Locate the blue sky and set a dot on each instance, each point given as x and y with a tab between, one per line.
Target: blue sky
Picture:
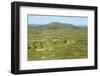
45	19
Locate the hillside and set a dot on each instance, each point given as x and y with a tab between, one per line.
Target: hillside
57	40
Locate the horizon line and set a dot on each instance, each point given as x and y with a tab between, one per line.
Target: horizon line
57	22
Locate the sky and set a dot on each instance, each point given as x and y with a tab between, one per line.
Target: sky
45	19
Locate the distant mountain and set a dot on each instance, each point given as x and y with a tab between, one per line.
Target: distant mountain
57	25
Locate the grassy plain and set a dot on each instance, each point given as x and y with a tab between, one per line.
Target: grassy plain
57	41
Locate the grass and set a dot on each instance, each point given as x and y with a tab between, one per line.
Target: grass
61	43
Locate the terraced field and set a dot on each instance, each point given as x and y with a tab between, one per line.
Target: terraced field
57	41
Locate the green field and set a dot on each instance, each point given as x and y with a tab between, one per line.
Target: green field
57	41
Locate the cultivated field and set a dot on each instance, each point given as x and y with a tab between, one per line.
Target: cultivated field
57	41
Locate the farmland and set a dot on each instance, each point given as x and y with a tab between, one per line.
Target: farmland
56	40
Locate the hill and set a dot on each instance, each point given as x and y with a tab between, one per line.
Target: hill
57	25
